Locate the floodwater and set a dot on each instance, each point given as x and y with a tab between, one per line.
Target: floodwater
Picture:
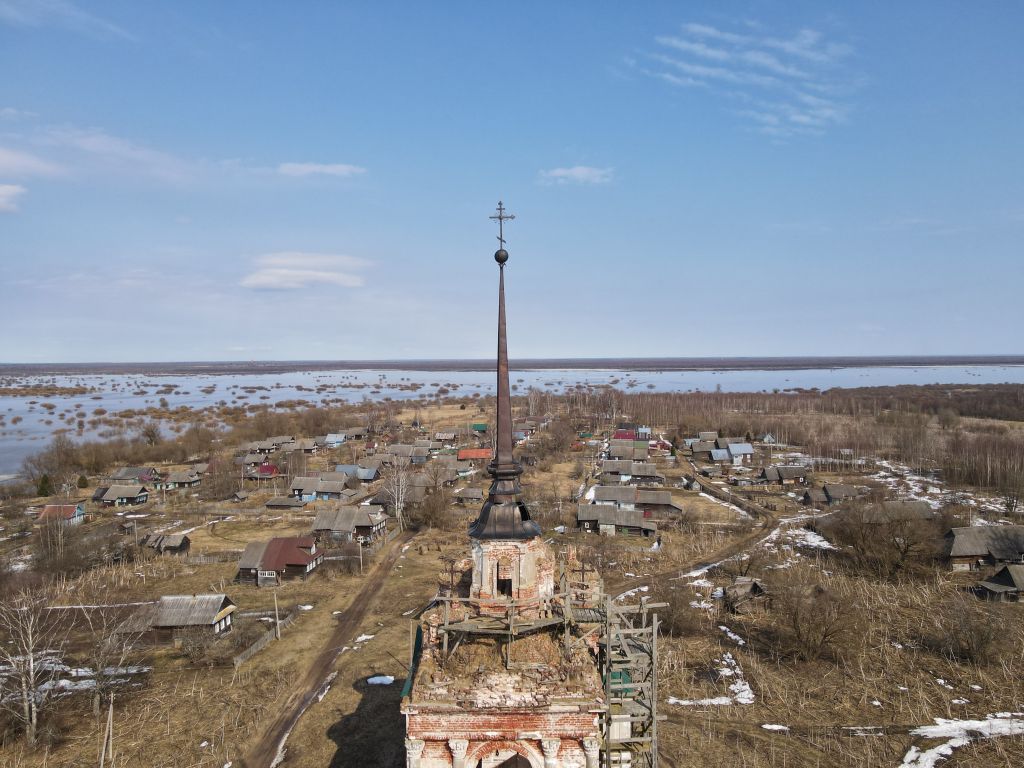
38	418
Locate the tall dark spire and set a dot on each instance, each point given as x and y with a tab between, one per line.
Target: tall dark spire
503	515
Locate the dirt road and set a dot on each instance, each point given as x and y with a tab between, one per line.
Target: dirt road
265	751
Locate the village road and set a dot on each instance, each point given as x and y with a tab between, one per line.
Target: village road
265	751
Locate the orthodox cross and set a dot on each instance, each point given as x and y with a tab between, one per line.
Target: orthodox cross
501	217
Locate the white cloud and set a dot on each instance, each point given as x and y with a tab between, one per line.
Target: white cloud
16	163
60	13
119	153
294	270
324	169
10	113
703	50
577	174
772	77
9	194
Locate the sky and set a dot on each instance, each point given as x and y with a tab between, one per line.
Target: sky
290	181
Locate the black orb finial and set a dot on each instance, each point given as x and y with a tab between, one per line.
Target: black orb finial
501	256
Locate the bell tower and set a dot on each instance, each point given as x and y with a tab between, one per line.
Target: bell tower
510	561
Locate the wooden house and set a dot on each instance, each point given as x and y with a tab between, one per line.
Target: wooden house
62	514
180	481
971	548
125	495
173	617
135	476
364	523
468	496
266	563
609	521
1006	585
169	544
784	474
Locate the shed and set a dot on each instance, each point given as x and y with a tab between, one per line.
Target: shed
1006	585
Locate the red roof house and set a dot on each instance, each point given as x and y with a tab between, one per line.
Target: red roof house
284	557
474	454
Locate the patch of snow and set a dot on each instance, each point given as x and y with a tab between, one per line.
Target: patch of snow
305	607
380	680
364	638
960	733
732	635
774	727
960	701
739	690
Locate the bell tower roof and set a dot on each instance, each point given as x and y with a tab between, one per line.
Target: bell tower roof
504	515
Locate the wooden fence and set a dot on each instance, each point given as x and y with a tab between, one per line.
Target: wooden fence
263	642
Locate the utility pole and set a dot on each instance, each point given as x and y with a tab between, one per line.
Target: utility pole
277	619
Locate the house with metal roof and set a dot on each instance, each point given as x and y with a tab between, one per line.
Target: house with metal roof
268	563
125	495
740	453
63	514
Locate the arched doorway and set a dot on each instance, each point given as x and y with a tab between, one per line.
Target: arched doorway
506	758
505	754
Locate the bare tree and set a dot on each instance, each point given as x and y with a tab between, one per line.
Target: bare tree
110	646
32	639
396	486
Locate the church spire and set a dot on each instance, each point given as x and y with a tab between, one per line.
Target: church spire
503	515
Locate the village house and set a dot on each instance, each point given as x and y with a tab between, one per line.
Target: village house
335	439
135	476
784	474
971	548
478	456
707	437
1006	585
608	520
365	523
830	493
169	544
702	449
468	496
630	472
630	450
363	474
265	471
740	453
646	500
173	617
725	442
265	563
62	514
179	481
122	495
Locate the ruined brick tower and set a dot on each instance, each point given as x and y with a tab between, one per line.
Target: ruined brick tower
518	662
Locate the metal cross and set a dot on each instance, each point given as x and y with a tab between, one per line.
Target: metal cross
501	217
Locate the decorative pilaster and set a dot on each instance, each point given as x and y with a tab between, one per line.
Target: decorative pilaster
550	747
413	752
458	748
591	748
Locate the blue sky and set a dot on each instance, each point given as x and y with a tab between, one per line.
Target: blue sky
236	180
